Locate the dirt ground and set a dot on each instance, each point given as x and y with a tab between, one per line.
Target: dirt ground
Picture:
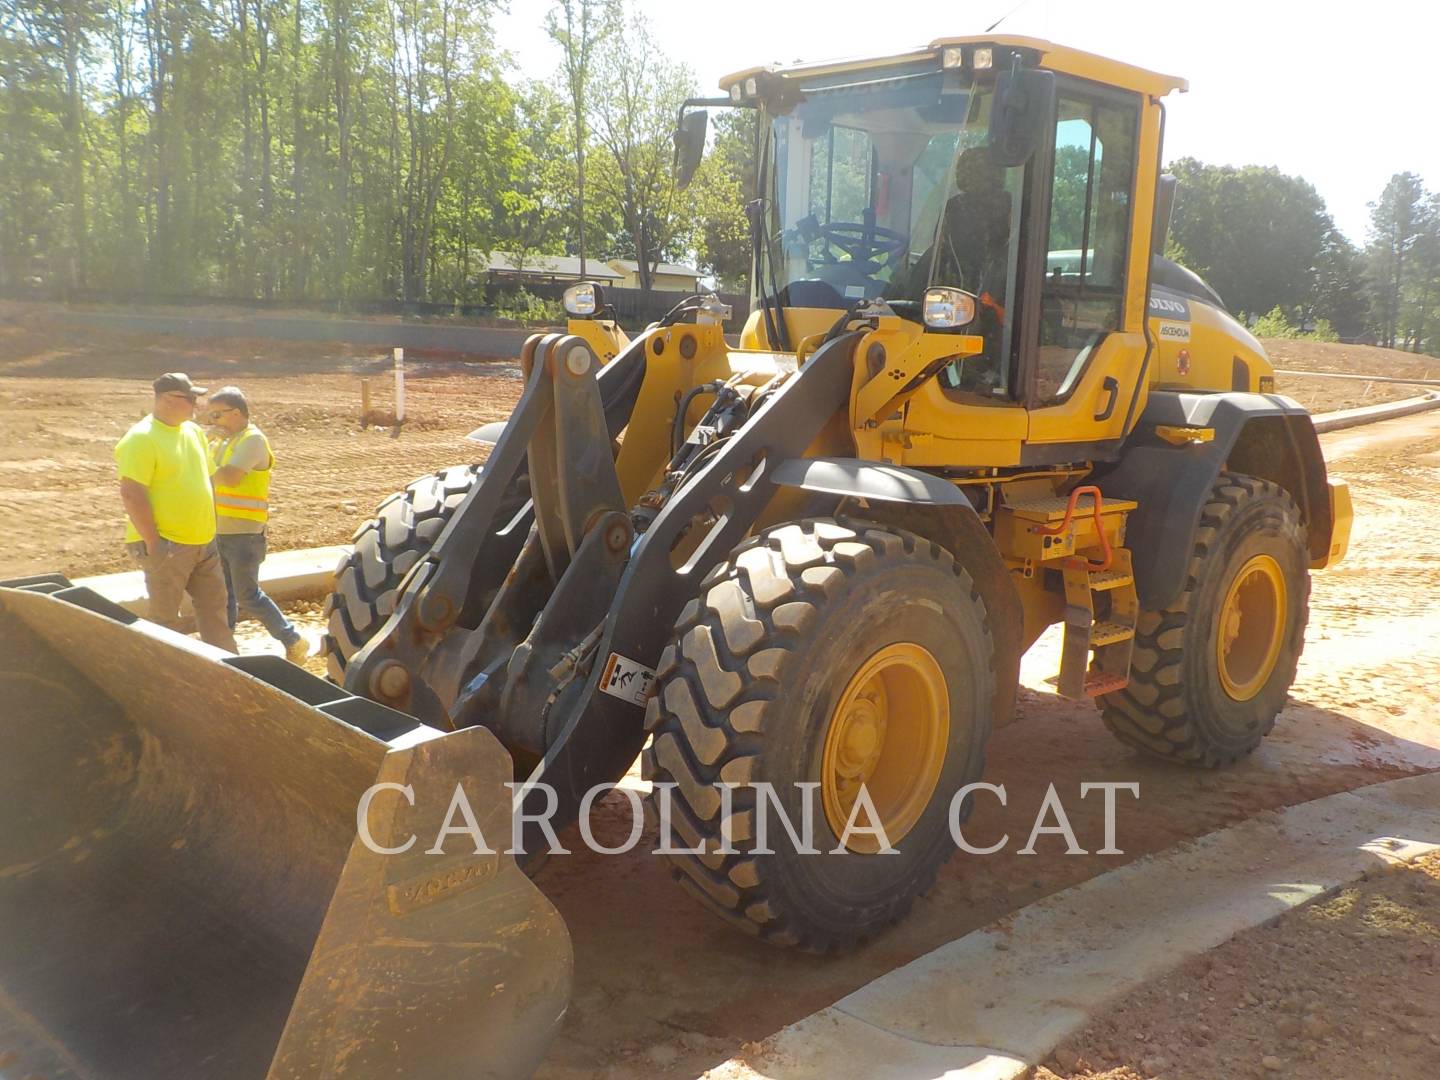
1343	986
663	989
67	394
1325	395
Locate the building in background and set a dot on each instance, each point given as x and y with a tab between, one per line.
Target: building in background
503	267
668	277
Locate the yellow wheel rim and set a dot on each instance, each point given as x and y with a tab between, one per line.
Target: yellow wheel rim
1251	628
889	732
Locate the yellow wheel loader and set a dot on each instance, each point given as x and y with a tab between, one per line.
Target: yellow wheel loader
971	401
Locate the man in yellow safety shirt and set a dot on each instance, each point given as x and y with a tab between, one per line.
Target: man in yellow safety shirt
164	466
243	461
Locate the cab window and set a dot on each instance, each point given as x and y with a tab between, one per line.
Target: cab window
840	175
1082	295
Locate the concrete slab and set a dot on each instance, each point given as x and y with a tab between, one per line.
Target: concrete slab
305	574
997	1001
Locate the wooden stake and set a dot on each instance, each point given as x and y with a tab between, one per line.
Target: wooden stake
399	387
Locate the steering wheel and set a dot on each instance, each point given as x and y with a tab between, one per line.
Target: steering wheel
864	243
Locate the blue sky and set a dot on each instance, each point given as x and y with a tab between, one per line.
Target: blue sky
1341	94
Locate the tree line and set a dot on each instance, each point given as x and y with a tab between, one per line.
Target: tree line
294	149
380	149
1267	244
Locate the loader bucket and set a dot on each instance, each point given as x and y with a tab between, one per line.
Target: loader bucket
184	892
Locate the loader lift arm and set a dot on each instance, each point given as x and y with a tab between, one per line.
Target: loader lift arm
582	587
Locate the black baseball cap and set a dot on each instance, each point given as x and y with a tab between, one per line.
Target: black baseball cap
177	382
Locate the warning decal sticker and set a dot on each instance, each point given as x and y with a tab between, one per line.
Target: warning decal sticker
625	679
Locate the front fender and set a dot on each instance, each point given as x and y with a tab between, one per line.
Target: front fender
853	478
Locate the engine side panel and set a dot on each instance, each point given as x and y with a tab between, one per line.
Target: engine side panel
1201	347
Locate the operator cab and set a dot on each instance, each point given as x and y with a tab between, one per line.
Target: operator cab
878	188
885	179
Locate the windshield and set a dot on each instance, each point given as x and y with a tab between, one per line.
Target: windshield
878	188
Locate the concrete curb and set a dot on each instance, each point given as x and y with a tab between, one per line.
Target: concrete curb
1370	414
997	1001
1358	378
305	574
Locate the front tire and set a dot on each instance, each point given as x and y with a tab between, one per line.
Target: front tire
828	654
1211	672
367	581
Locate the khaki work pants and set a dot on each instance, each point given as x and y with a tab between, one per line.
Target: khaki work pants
194	568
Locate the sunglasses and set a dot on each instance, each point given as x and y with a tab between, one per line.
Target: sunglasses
215	414
179	394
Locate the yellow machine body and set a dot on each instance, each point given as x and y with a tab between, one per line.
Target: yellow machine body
184	890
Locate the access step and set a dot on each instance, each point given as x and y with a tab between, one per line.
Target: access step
1108	633
1104	580
1101	610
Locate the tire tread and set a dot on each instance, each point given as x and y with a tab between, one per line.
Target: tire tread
1154	713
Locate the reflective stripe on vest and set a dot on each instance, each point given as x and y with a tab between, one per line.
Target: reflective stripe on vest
250	498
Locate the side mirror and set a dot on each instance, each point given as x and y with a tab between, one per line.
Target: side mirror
947	309
1020	115
690	145
584	300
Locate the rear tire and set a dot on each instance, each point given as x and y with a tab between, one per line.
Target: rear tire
1189	699
759	678
367	581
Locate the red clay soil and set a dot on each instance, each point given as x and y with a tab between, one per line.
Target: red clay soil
1343	986
1326	395
68	395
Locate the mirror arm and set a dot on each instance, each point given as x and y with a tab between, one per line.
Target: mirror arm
701	102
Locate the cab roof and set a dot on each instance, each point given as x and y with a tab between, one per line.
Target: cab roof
1053	57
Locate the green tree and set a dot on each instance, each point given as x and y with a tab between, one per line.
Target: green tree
580	27
533	210
1067	201
633	117
717	197
1396	224
1421	300
1255	234
1339	297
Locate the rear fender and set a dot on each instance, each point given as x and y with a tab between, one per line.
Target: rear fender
1263	435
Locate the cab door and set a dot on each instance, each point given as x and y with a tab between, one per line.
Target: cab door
1084	353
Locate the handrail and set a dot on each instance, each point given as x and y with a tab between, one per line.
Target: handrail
1065	522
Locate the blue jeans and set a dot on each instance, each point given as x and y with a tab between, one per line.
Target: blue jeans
242	554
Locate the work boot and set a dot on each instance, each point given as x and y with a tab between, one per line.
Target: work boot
298	651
